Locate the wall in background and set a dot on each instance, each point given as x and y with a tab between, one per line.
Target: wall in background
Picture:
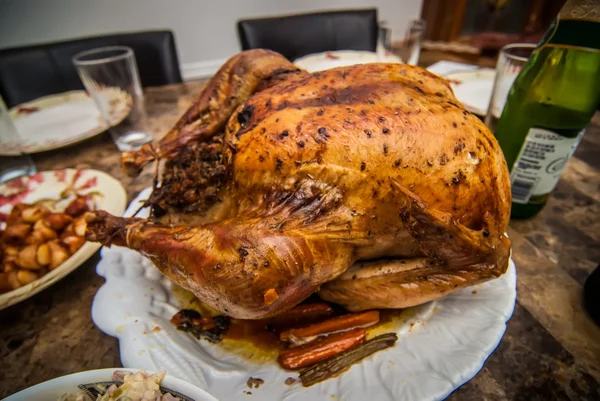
204	29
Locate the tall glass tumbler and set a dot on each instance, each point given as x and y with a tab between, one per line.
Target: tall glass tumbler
111	77
413	41
384	41
511	60
13	163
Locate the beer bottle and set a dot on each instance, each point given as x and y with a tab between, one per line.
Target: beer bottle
549	105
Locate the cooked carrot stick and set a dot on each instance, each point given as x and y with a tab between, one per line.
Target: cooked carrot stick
270	296
343	361
329	326
302	314
320	349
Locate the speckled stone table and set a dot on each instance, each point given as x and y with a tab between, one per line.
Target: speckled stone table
551	348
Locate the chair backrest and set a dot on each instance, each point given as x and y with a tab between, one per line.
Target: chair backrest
298	35
27	73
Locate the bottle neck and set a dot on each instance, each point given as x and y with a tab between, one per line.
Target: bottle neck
577	26
580	9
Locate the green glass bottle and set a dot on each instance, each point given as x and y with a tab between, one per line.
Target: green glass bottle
549	105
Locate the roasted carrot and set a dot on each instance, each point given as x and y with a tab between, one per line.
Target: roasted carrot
343	361
302	314
270	296
330	326
320	349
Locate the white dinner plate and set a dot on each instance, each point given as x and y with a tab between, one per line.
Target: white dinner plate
473	89
107	193
54	121
441	344
51	390
341	58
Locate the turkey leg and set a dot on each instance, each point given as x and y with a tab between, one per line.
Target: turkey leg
240	77
240	267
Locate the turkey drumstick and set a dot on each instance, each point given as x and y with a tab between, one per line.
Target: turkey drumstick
239	267
236	80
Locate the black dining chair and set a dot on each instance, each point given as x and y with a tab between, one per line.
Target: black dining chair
295	36
27	73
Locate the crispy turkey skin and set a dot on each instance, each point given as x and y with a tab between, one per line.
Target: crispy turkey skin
370	184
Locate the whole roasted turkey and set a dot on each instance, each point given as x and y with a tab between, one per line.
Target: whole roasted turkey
370	185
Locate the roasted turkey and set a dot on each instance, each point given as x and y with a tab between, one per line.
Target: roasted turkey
370	185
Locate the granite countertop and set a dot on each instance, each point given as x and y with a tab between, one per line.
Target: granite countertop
550	350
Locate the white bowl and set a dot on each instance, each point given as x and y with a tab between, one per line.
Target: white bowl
53	389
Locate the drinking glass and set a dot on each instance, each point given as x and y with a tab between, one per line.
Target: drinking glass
413	40
511	60
111	77
384	41
13	163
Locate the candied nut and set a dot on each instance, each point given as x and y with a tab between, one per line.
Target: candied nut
57	221
58	254
45	231
36	237
16	232
10	253
77	207
79	226
68	230
34	213
26	276
15	216
27	258
13	280
8	267
4	283
43	255
74	242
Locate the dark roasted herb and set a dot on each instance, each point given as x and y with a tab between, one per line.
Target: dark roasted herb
210	328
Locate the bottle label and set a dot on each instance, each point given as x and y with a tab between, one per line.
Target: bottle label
540	163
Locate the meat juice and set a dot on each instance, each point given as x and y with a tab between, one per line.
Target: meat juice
258	341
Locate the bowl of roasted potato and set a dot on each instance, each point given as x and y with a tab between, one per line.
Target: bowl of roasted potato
42	227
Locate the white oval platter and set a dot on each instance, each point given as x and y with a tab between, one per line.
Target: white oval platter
441	346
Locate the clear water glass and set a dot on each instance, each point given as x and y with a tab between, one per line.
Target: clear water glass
511	60
384	41
110	76
413	41
13	163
